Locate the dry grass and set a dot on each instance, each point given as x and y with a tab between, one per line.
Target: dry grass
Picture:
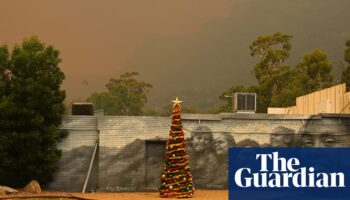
198	195
24	198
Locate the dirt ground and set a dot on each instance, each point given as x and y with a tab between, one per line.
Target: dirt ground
198	195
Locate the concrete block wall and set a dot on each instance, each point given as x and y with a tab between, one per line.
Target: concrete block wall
122	149
77	150
131	148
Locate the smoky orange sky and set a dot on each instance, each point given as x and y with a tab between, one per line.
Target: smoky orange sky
96	38
194	49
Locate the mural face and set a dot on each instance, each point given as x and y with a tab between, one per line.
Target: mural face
327	133
136	164
222	142
283	137
323	140
201	142
205	147
201	153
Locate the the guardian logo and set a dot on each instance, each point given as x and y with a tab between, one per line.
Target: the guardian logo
285	173
289	173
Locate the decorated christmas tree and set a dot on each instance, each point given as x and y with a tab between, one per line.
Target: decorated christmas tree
176	178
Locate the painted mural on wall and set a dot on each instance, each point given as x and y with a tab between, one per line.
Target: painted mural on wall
136	166
208	157
73	168
329	133
121	171
154	160
208	152
144	159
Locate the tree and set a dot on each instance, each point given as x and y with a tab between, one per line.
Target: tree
317	69
313	73
272	51
346	73
294	87
279	84
126	96
31	108
176	178
106	101
270	71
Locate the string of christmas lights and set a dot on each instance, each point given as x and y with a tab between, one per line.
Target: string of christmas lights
176	178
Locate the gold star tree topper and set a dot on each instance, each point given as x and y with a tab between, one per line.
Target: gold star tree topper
176	101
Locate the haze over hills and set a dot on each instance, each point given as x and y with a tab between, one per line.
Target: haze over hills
199	67
194	49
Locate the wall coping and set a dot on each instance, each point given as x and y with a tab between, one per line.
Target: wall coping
247	116
334	115
208	117
221	116
264	116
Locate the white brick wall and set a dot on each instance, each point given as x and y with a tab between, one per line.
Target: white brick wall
120	134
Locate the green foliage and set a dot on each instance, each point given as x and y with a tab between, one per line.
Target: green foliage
294	87
346	73
272	51
317	69
126	96
272	90
346	77
347	52
270	71
313	73
106	101
279	84
31	108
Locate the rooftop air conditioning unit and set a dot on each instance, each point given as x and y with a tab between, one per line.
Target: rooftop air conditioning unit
84	108
244	102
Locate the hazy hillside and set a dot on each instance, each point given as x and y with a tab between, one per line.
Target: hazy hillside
199	67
